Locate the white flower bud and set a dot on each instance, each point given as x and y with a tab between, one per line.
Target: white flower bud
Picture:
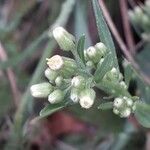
125	113
90	64
41	90
55	63
123	85
74	95
129	101
78	82
64	38
56	96
87	98
91	51
118	102
65	66
115	111
51	75
59	81
101	49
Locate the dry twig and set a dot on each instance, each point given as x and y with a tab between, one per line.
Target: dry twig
126	25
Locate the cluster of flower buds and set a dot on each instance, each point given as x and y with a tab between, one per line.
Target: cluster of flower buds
140	17
63	75
123	106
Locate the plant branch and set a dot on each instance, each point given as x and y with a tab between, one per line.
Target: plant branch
121	43
126	25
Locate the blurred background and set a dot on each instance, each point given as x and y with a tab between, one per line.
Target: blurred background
25	43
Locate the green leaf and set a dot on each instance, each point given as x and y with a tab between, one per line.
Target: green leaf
142	114
105	106
103	68
50	109
128	73
104	32
80	47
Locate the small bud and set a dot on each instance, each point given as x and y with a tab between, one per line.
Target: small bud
101	49
138	13
51	75
128	101
94	54
115	111
125	113
59	81
41	90
87	98
74	95
90	64
55	63
112	75
56	96
78	82
123	85
64	38
65	66
118	102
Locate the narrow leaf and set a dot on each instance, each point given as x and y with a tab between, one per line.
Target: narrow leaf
128	73
50	109
103	68
80	48
104	106
142	114
104	32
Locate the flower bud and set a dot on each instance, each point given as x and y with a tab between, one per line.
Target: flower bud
74	95
64	39
125	113
112	75
123	85
94	54
87	97
115	111
90	64
41	90
65	66
56	96
78	82
51	75
59	81
101	49
118	102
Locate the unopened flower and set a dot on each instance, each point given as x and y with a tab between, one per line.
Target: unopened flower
56	96
125	113
123	85
51	75
101	49
55	63
59	81
64	65
64	38
41	90
115	111
74	95
87	97
118	102
78	82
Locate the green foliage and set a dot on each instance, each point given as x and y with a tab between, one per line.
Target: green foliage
142	114
104	32
80	48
